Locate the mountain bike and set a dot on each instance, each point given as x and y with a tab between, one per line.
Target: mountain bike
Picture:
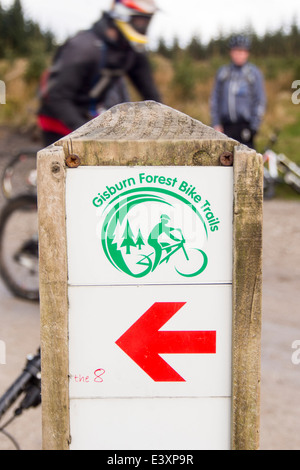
19	227
278	168
27	387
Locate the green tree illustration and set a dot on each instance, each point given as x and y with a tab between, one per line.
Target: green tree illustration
140	240
128	238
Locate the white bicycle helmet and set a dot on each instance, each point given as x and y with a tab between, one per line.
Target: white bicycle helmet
132	18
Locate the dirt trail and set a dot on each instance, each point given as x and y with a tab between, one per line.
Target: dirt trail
280	413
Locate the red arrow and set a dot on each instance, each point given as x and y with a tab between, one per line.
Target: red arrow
143	342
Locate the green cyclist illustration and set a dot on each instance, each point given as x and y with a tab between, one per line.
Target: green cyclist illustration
164	250
130	250
159	247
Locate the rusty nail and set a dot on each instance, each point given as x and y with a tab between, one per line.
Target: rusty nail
226	159
73	161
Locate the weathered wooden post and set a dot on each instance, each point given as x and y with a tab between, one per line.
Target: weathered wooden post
150	232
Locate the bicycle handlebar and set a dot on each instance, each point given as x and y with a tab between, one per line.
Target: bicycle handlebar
29	382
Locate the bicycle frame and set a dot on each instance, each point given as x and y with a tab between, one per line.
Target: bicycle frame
177	247
17	165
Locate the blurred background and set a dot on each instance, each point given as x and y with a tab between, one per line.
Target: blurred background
188	43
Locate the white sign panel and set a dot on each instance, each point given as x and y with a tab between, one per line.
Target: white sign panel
150	424
150	274
150	341
153	225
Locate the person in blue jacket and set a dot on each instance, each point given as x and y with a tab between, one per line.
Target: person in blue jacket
238	99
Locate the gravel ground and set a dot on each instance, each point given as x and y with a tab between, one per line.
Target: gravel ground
280	412
280	387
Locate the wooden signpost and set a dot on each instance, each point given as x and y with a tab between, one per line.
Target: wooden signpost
150	234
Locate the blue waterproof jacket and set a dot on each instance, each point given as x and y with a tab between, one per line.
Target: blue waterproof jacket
238	96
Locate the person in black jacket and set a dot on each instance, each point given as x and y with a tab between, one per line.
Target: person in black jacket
88	71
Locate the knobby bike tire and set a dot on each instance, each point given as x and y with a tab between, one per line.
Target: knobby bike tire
22	203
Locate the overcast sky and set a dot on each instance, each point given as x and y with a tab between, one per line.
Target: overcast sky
177	18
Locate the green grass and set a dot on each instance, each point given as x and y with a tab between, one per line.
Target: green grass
283	191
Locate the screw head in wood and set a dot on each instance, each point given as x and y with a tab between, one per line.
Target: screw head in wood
226	159
73	161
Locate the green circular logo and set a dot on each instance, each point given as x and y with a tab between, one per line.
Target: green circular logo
146	229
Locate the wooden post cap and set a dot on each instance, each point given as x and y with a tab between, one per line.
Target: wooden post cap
146	133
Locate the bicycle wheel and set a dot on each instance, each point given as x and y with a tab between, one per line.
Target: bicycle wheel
193	263
19	247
